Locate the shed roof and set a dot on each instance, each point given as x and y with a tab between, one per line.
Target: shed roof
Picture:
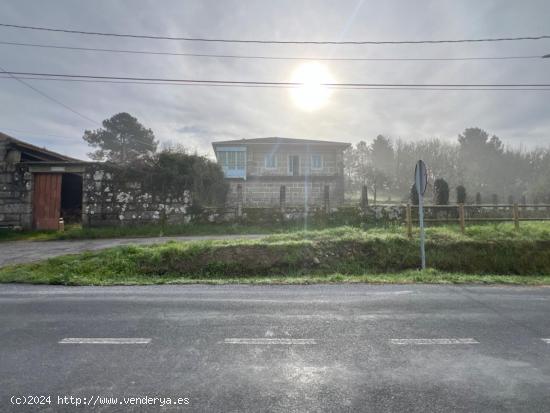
41	154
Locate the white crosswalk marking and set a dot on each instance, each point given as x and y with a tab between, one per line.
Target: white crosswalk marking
427	341
105	340
269	341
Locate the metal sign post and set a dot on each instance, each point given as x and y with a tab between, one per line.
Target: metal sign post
421	181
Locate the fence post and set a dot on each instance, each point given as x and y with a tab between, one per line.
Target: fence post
408	217
239	200
461	217
282	198
364	197
327	199
516	216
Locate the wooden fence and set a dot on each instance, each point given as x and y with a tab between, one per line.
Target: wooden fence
461	214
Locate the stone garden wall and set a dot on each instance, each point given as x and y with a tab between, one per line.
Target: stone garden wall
111	197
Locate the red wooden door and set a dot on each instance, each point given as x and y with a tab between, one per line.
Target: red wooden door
46	201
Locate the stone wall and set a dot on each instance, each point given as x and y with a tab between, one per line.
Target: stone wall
111	197
15	192
343	215
264	192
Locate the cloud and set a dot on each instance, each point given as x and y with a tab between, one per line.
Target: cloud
197	115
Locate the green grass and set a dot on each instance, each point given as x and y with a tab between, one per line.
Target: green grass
491	231
484	254
405	277
74	232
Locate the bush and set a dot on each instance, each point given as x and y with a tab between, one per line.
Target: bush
173	171
460	194
441	192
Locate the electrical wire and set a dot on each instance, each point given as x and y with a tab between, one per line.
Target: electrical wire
261	57
222	40
274	86
282	84
13	76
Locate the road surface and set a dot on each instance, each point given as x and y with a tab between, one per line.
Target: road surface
17	252
319	348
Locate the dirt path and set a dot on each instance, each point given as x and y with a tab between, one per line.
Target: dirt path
17	252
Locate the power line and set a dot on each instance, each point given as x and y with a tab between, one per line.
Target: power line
284	84
221	40
271	86
261	57
12	75
37	134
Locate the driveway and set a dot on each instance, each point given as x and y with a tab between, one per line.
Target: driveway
17	252
319	348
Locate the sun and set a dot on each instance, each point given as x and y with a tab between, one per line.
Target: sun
312	94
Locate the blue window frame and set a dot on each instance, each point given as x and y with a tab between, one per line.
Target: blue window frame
233	161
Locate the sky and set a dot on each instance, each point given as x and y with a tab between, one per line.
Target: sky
195	116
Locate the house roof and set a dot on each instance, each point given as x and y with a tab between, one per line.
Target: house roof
285	141
41	154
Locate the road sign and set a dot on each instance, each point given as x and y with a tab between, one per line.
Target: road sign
421	175
421	181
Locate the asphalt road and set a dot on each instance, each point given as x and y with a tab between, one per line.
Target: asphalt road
17	252
330	348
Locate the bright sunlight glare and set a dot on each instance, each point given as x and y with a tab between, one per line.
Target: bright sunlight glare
311	94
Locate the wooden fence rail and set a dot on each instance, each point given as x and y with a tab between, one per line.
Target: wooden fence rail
463	214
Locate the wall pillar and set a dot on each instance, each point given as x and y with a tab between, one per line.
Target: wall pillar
282	198
326	199
239	200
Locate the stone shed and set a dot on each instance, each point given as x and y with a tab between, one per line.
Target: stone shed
38	187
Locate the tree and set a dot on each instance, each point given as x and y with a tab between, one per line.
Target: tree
481	159
441	192
382	164
478	199
121	140
460	194
174	169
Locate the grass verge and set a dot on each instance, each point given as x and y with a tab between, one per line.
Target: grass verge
406	277
345	254
74	232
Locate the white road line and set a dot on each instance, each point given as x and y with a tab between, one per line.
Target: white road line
426	341
546	340
105	340
269	341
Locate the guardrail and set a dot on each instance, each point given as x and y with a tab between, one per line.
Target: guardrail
461	214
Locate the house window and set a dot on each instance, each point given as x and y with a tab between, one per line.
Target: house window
231	160
294	165
316	162
270	161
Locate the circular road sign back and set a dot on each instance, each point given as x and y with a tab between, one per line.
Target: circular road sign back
421	177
